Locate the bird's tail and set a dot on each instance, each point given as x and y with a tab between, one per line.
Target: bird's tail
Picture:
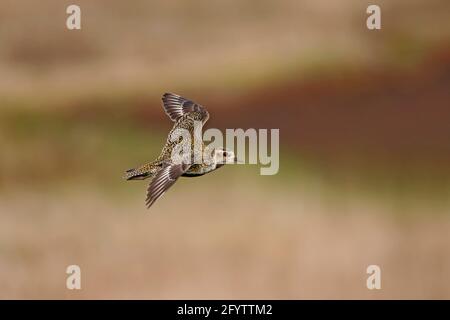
140	173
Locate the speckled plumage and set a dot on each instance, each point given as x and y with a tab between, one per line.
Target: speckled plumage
163	171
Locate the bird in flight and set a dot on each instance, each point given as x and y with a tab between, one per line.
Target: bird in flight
165	171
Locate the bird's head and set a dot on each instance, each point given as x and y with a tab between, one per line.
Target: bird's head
224	156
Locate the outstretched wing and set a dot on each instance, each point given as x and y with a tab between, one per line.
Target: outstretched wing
164	179
176	106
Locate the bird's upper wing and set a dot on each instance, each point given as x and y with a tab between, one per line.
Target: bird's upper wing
164	179
176	106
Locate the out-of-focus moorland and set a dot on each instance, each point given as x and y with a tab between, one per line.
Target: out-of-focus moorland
364	134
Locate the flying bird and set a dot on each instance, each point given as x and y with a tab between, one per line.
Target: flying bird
164	171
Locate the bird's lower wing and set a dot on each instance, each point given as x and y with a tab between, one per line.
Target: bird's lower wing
163	180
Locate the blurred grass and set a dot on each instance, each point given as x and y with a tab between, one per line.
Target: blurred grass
55	148
225	47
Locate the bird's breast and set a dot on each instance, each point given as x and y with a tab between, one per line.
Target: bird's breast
192	174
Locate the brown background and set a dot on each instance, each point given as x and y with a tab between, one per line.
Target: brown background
364	136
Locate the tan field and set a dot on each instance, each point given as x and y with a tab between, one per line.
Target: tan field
263	245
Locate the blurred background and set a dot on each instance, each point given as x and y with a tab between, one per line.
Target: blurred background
364	135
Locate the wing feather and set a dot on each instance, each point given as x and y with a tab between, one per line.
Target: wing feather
164	179
176	106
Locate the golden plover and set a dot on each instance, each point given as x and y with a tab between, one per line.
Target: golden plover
164	171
